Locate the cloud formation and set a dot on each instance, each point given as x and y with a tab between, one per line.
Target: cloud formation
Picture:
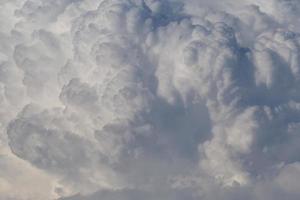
149	99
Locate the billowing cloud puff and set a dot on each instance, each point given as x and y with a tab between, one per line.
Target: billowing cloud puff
149	99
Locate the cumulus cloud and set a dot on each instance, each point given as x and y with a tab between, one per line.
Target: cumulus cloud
149	99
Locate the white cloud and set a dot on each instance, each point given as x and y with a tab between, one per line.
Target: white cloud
131	99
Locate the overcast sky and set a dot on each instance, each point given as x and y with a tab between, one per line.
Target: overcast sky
149	99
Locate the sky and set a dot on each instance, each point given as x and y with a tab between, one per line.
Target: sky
149	99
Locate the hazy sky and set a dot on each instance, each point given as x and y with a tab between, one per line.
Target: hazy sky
149	99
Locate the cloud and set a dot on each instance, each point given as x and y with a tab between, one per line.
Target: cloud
131	99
